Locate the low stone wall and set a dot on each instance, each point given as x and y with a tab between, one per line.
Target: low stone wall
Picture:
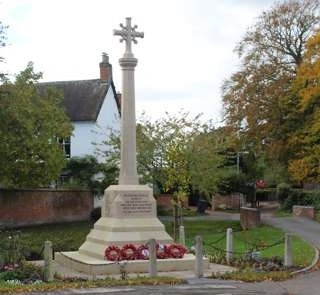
232	202
303	211
164	200
42	206
249	217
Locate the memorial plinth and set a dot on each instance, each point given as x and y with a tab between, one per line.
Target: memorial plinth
128	216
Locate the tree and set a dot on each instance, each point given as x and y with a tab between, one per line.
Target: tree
2	44
280	34
87	172
176	154
30	126
304	141
208	159
259	101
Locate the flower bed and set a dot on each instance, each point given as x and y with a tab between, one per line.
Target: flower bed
141	252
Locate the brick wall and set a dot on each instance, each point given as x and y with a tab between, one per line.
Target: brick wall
250	217
41	206
303	211
164	200
226	202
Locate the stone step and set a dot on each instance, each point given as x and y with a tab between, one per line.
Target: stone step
129	224
92	249
122	238
91	266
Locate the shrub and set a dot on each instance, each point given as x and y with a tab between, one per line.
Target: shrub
25	271
95	214
266	194
283	191
303	198
232	182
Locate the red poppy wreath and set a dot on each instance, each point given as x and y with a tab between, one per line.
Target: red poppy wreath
112	253
129	252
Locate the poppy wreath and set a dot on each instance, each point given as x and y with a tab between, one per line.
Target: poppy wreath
112	253
162	255
143	252
161	251
129	252
175	251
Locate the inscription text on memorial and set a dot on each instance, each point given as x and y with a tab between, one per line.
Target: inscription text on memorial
136	204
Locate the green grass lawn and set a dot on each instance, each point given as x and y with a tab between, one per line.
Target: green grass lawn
211	231
282	213
69	236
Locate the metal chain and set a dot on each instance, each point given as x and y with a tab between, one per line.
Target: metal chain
263	247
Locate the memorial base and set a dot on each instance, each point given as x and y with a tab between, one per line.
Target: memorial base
128	217
92	266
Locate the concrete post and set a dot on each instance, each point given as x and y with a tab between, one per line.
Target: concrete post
47	254
199	257
229	245
287	251
182	239
152	257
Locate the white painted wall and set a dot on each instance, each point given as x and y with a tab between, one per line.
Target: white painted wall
87	133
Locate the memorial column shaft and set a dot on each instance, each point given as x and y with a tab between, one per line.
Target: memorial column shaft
128	166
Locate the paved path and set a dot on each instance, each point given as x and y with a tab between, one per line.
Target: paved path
300	226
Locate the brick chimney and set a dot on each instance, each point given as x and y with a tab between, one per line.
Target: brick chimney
105	68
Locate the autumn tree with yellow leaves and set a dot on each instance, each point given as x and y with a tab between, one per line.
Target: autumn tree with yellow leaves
259	99
305	141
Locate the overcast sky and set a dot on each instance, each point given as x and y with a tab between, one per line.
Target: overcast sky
186	54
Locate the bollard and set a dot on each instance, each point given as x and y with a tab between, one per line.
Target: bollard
152	257
199	257
47	254
287	251
229	245
182	239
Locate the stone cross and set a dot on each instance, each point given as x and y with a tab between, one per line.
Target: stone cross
129	35
128	164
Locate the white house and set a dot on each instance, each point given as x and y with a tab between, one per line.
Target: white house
94	109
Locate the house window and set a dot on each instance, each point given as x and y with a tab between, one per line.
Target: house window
65	145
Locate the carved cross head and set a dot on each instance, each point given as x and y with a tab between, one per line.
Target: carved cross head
128	34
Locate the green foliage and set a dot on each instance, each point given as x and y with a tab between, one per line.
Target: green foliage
2	44
283	191
64	237
10	248
302	198
176	153
164	211
266	194
275	173
208	160
86	172
2	34
24	272
232	182
30	126
95	214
